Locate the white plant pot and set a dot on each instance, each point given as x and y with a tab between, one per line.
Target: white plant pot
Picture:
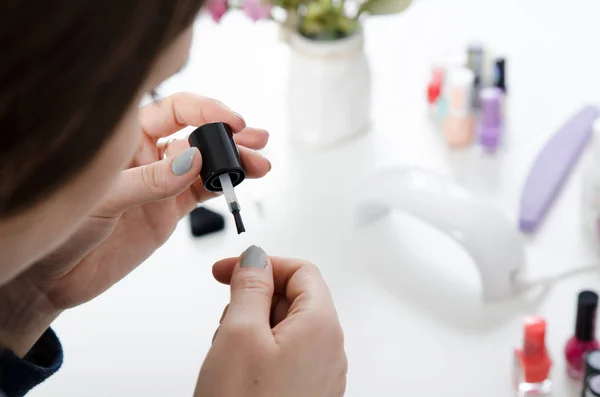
329	90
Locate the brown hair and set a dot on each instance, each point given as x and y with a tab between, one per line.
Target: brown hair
68	72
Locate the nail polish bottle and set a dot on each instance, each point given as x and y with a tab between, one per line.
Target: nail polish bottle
490	125
592	367
532	362
584	339
434	91
592	386
459	125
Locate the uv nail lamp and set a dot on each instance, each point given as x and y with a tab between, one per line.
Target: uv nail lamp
481	228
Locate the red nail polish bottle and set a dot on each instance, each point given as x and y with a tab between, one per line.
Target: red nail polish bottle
584	339
434	90
532	362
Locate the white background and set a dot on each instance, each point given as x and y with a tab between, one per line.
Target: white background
408	297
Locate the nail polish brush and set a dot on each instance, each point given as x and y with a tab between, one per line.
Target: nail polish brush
232	201
221	164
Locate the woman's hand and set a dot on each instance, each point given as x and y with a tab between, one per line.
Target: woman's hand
279	335
134	219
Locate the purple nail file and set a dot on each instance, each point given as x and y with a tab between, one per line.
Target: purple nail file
552	167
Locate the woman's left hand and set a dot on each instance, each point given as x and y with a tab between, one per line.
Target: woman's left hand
134	219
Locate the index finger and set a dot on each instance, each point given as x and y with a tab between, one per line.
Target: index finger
175	112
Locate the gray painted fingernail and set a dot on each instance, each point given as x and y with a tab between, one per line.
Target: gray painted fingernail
183	162
240	116
254	257
214	336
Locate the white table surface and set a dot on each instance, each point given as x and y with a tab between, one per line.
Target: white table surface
413	320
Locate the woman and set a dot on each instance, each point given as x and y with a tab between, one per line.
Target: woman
86	196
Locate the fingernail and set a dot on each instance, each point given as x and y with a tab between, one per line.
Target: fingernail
254	257
240	116
224	314
183	162
215	335
270	165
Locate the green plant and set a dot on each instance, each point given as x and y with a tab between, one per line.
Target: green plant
316	19
326	19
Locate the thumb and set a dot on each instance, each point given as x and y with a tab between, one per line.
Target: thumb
155	181
251	291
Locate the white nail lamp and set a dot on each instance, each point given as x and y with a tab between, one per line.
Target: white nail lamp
482	229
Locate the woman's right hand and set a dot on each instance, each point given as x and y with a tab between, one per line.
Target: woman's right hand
279	336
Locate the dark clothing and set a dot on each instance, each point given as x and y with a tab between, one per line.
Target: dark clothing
19	375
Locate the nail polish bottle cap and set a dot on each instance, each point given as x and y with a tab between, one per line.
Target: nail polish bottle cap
433	92
500	74
219	155
592	386
592	363
460	91
447	64
461	78
475	47
204	221
475	61
585	325
434	89
535	336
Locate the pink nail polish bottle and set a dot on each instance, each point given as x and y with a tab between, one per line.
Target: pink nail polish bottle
584	339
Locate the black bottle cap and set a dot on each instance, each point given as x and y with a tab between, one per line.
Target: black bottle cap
219	155
500	74
585	325
204	221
